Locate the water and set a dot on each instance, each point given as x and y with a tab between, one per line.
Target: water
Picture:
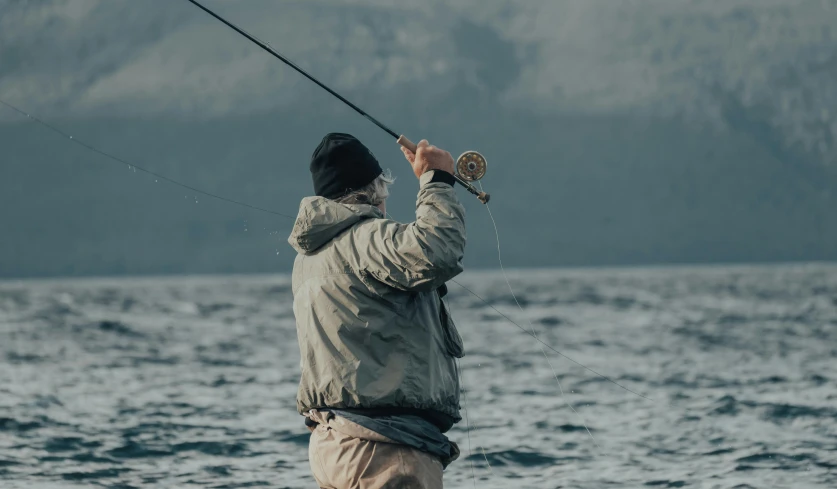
182	382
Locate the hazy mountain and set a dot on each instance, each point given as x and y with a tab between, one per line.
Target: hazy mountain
616	132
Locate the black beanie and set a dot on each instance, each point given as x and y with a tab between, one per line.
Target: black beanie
341	164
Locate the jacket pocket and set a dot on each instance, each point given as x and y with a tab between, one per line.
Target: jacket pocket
453	342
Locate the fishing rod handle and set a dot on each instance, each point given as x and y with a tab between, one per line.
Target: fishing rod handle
404	141
483	197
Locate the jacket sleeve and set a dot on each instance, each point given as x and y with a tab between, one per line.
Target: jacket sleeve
423	254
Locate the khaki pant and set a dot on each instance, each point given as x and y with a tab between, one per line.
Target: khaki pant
345	455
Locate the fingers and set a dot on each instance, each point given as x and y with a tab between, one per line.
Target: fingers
428	157
425	147
425	150
411	157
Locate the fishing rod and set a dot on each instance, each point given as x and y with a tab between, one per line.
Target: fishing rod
470	166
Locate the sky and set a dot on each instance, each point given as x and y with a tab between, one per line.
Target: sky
617	133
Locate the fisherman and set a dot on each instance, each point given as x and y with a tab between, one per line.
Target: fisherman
380	382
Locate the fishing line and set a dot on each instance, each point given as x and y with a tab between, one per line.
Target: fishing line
268	211
467	423
136	167
550	347
475	158
534	334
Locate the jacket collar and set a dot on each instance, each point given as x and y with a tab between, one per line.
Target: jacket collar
321	219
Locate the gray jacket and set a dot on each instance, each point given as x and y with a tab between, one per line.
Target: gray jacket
373	331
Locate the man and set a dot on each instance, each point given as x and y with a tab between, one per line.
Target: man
379	383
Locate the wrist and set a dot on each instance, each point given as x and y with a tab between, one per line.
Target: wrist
436	176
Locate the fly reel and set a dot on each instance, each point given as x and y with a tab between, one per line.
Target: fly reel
471	166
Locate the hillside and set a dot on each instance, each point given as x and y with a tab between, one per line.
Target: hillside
616	132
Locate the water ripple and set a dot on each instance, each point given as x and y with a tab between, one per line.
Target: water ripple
192	381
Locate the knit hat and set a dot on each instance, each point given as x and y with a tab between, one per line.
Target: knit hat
342	164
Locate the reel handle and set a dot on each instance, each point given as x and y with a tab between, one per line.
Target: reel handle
483	197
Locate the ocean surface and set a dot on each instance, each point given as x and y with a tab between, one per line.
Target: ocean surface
191	382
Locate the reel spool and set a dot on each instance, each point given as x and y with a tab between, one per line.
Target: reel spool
471	166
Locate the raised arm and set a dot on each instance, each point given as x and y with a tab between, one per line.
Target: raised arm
423	254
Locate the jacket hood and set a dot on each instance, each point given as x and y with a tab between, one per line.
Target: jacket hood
321	219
